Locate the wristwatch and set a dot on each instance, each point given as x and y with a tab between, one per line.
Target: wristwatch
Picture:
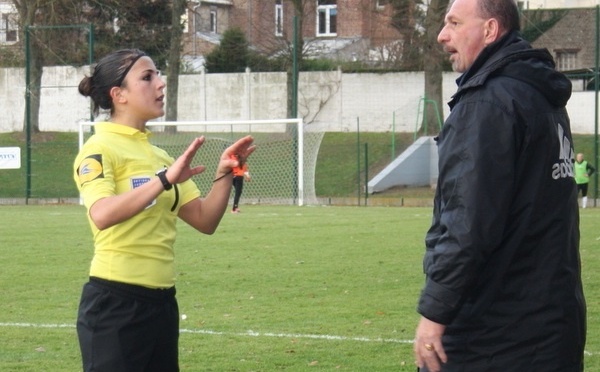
162	176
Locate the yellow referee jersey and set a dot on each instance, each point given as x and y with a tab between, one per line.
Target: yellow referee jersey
117	159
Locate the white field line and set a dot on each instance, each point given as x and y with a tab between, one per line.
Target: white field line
247	333
297	335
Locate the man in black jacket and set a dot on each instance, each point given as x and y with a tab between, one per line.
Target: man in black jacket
503	285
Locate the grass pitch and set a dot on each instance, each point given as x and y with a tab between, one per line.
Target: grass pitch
276	288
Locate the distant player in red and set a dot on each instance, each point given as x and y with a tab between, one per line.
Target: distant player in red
240	173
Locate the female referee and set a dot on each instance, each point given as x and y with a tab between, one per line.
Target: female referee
128	316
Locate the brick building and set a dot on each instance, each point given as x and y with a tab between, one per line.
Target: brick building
9	26
571	40
352	30
362	30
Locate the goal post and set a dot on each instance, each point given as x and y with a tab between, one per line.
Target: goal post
282	167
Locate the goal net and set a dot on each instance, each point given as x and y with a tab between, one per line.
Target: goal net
282	167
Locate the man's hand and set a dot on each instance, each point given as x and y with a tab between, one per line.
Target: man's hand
428	345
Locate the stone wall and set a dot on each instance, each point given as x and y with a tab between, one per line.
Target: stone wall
331	101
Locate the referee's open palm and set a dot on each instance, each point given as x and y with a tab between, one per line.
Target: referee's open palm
181	170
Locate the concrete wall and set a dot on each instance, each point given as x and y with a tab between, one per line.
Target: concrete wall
330	101
416	166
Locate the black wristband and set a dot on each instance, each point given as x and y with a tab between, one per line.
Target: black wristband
162	176
222	176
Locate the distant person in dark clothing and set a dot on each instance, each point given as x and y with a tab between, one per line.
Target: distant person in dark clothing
240	174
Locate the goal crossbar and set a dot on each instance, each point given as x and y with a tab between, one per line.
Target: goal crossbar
298	123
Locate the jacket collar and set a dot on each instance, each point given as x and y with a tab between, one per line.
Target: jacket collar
489	60
495	57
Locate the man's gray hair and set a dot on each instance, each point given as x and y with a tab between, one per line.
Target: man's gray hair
505	11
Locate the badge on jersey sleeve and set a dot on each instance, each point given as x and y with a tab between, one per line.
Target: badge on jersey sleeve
139	181
90	169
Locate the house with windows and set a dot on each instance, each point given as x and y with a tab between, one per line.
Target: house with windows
9	28
571	40
204	22
362	29
350	30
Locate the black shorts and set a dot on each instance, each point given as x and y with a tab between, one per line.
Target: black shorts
128	328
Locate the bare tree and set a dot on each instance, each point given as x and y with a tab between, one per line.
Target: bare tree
143	25
173	61
433	66
27	11
408	19
43	13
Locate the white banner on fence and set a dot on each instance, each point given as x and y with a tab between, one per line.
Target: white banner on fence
10	158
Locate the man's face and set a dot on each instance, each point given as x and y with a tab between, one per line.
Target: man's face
463	34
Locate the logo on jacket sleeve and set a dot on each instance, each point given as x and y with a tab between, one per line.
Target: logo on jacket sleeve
90	169
564	167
